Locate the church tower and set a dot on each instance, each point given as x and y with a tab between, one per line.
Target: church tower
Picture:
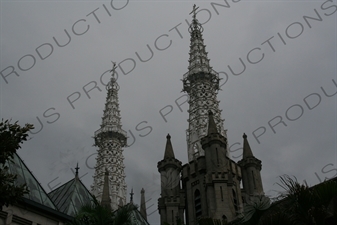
251	176
212	181
110	140
171	203
201	83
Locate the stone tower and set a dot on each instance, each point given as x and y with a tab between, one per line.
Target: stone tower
212	181
171	203
251	176
110	140
201	83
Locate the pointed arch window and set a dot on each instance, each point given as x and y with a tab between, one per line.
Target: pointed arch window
197	203
217	156
253	177
235	201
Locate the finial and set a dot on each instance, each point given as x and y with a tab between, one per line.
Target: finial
168	136
247	151
113	67
76	169
131	196
194	11
210	113
112	83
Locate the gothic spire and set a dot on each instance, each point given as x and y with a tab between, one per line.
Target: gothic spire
111	120
110	140
142	204
201	83
251	171
198	61
106	201
247	152
168	149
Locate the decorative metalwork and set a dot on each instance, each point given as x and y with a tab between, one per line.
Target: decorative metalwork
201	83
110	140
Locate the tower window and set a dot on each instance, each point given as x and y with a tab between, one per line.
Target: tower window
253	179
235	201
197	203
221	193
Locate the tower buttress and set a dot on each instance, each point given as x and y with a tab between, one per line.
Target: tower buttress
222	179
201	83
171	203
214	145
250	168
110	140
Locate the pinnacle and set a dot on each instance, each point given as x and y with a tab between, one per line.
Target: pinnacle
211	124
168	149
143	204
247	152
106	195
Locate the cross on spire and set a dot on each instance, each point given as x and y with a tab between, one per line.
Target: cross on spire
76	170
194	11
113	67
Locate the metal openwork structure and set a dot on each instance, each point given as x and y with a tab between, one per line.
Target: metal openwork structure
201	83
110	140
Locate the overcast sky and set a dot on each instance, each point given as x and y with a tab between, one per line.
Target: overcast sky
281	96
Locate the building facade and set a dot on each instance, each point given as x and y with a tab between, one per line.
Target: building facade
209	185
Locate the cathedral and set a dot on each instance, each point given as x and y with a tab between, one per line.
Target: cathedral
209	185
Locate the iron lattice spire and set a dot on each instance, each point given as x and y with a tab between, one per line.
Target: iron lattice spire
201	83
110	140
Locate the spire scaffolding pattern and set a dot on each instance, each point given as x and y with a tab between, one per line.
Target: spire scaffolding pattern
110	140
201	83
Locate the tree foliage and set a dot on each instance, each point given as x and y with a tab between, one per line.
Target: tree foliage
298	205
12	135
96	214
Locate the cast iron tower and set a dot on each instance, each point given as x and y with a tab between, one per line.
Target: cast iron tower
110	140
201	83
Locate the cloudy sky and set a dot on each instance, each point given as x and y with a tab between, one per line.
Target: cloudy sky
277	60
